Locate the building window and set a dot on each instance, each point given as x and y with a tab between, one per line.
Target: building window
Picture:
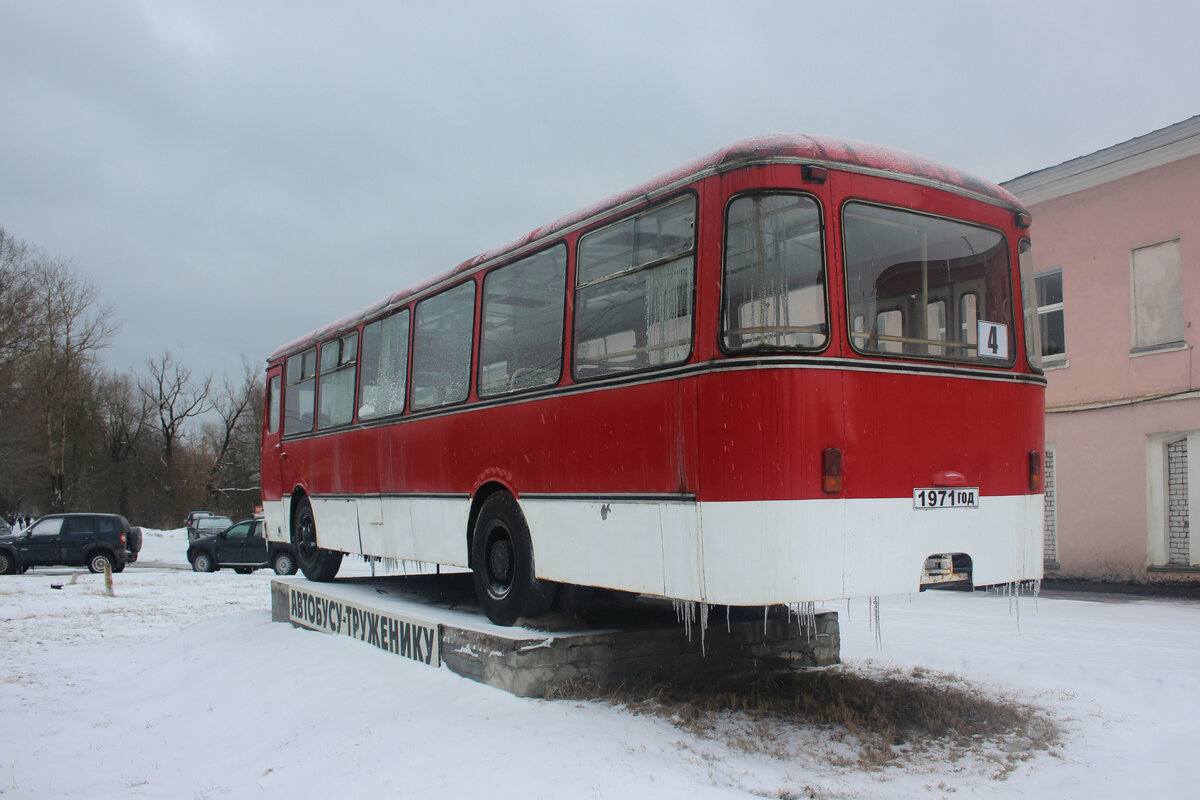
1157	284
1050	316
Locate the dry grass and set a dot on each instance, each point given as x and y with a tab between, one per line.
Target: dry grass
867	717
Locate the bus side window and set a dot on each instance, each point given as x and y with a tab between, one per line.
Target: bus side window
299	402
444	329
633	292
383	365
335	387
523	306
273	404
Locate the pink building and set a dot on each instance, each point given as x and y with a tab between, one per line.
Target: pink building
1117	251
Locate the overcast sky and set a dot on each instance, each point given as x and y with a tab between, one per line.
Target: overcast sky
232	175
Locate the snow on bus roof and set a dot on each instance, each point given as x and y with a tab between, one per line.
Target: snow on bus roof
834	152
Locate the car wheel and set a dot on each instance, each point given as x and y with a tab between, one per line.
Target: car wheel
503	566
202	562
97	562
284	564
317	563
118	568
8	566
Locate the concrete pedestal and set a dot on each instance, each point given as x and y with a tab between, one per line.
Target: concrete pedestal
610	639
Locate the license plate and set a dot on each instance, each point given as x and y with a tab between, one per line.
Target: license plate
946	498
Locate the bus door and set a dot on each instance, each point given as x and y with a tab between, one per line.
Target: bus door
272	454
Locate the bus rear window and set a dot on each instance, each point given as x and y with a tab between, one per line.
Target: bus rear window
774	290
926	286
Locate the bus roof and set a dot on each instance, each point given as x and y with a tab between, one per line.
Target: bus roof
836	153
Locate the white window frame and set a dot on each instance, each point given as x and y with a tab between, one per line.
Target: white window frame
1057	359
1171	296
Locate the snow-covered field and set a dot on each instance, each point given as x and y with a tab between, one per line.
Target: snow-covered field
180	686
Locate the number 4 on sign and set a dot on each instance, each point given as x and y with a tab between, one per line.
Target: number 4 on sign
993	340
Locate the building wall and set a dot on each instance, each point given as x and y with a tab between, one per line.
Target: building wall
1102	460
1115	416
1091	235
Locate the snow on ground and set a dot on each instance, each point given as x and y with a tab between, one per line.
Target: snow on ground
181	686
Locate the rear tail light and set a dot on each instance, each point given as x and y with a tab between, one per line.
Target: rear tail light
831	470
1035	470
122	538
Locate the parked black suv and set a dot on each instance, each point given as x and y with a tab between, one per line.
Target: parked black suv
244	547
89	540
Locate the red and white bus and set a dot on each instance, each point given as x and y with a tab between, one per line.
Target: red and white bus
797	369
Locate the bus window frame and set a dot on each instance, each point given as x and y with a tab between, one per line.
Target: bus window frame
572	342
823	223
287	384
1008	364
340	340
408	309
410	392
567	315
274	412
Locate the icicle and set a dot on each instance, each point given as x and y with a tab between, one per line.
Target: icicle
728	624
873	621
765	610
685	612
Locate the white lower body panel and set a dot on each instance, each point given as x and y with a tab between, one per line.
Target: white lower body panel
723	553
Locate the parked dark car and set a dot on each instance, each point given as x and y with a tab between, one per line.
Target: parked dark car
244	547
206	526
90	540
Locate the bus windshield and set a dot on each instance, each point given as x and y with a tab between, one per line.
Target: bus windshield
925	286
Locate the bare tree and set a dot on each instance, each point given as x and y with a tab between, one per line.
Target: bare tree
72	326
124	422
233	476
173	398
17	298
20	450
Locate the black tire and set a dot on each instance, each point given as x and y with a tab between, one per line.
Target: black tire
8	564
135	540
96	562
502	562
243	570
316	563
283	563
118	567
203	562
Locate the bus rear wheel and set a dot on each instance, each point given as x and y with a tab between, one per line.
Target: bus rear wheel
502	563
316	563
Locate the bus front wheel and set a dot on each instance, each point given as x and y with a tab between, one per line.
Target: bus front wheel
502	563
316	563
